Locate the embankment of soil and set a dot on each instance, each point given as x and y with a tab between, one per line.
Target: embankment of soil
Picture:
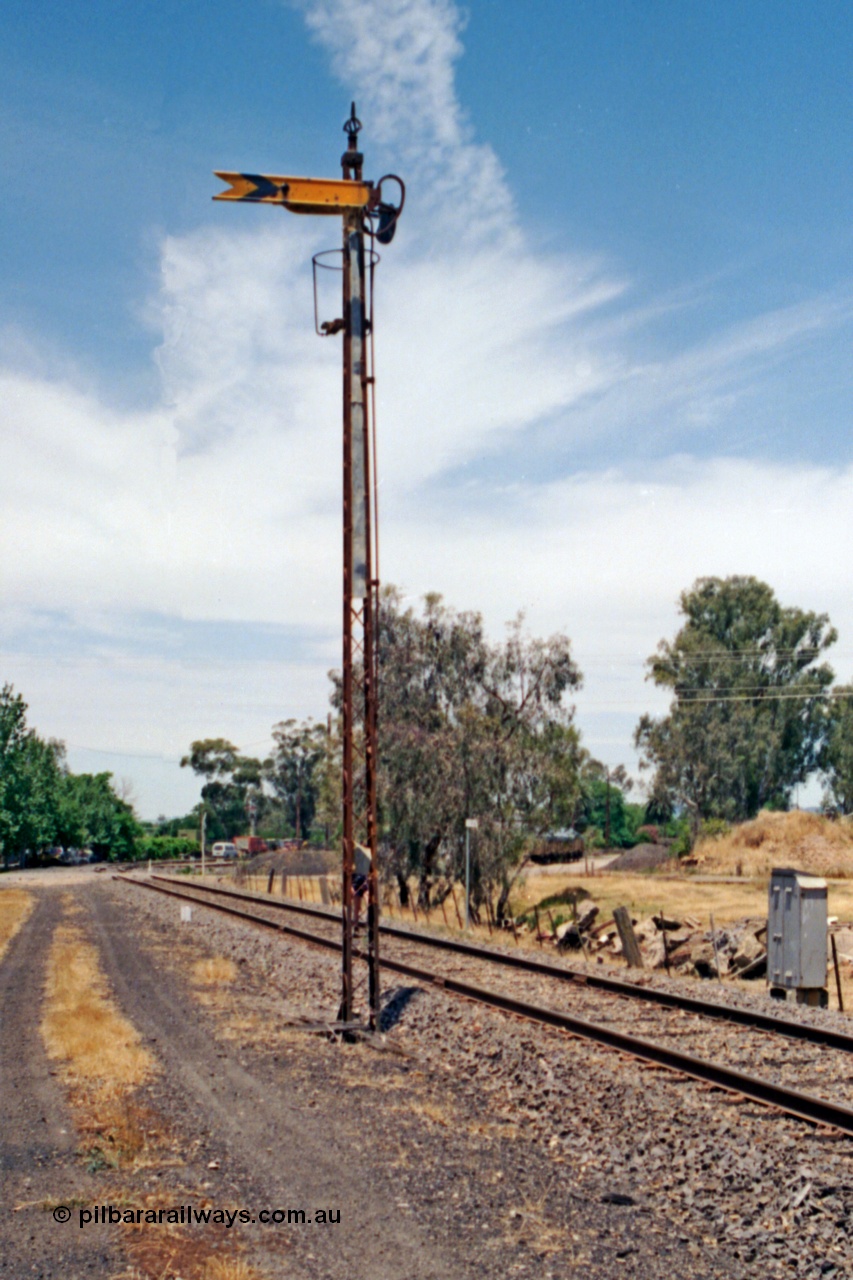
806	841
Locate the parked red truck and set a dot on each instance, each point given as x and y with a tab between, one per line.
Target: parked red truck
250	845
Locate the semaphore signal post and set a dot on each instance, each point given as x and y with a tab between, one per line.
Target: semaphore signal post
365	216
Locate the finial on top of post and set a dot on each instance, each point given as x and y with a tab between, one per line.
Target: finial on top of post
352	159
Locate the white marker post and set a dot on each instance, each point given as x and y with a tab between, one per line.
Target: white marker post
471	824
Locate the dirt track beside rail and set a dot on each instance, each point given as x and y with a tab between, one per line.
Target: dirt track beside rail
274	1146
432	1180
38	1143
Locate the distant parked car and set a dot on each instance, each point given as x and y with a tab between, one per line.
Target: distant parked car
224	849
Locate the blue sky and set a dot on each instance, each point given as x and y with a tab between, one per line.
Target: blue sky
613	343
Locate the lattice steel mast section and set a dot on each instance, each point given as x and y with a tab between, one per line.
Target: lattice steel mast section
364	214
359	601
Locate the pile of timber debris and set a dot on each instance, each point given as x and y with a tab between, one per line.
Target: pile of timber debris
736	950
684	946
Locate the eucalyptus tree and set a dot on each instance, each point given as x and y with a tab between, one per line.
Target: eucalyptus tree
232	783
469	728
837	758
293	771
749	710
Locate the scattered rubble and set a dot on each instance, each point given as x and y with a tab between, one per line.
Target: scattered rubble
665	942
683	946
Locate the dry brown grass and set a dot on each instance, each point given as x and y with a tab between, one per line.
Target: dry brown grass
382	1084
81	1026
216	971
212	978
248	1029
728	900
807	841
15	908
532	1223
100	1054
645	895
179	1260
434	1113
171	1253
228	1269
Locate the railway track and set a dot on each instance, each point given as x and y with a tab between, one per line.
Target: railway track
769	1031
828	1037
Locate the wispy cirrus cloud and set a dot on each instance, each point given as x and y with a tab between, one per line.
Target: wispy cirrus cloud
397	58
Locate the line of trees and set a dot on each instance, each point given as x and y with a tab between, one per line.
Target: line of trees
280	796
476	728
44	804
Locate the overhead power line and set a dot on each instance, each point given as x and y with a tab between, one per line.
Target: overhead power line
749	690
770	695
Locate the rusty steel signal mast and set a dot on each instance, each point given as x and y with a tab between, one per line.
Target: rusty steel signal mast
365	215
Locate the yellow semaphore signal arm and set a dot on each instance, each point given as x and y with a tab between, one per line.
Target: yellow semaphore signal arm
300	195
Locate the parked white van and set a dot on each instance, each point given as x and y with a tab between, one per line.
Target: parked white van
224	849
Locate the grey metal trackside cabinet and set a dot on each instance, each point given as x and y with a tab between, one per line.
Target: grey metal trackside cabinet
796	937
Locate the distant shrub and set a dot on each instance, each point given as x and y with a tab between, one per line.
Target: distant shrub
569	897
776	804
162	848
714	829
682	843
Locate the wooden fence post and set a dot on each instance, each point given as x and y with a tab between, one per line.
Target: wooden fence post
630	946
837	973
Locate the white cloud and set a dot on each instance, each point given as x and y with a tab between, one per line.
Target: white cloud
604	556
713	382
600	555
396	57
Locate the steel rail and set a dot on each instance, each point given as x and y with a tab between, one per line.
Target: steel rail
827	1037
803	1106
